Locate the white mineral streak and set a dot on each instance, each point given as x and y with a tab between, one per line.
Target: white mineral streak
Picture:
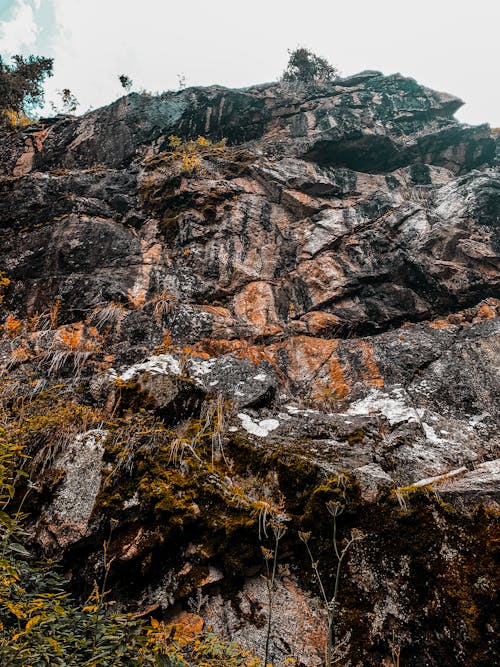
260	429
393	406
162	364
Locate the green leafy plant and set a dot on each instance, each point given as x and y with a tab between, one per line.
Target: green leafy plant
21	87
304	66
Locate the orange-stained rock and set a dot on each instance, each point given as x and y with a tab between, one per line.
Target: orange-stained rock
255	306
440	324
195	351
335	385
370	371
301	204
486	312
306	356
323	276
324	369
212	347
223	323
216	311
313	366
33	145
318	322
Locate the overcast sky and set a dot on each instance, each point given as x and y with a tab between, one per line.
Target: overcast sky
450	45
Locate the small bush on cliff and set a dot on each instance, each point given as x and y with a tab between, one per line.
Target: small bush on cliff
68	103
125	82
304	66
21	85
184	157
191	153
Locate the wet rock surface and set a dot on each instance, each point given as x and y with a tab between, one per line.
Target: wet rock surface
306	315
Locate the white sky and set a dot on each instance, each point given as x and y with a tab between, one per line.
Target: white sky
450	45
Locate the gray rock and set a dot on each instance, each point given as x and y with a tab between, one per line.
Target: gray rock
66	518
239	380
479	485
159	384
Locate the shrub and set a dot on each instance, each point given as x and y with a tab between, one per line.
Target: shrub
304	66
126	82
15	118
181	158
191	153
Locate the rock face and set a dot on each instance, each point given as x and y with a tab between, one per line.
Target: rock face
306	314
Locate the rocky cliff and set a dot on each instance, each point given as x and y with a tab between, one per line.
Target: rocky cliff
210	342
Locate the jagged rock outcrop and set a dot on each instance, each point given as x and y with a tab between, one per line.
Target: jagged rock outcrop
308	313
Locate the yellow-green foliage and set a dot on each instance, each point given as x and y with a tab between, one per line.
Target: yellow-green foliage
15	118
187	155
162	185
191	153
183	480
45	423
183	158
41	625
186	648
4	283
173	471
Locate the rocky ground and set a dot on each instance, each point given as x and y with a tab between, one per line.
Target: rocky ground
207	343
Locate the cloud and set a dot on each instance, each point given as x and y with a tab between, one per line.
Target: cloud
447	45
19	34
